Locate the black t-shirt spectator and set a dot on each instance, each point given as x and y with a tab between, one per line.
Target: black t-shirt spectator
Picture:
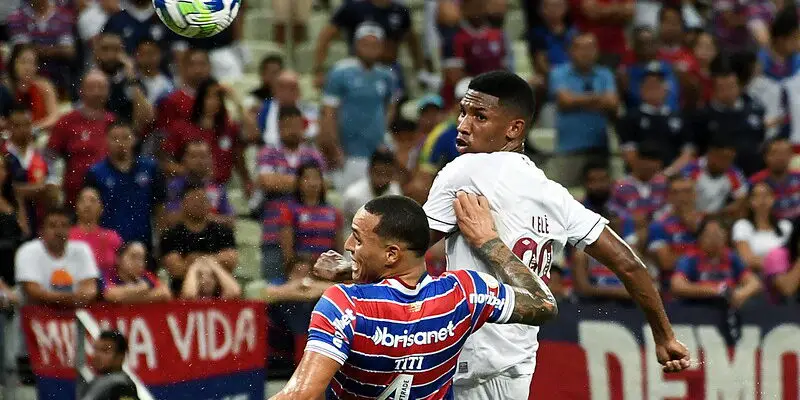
661	126
114	386
742	125
6	101
10	239
215	238
395	19
132	30
120	98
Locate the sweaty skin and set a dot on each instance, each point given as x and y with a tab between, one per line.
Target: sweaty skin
477	99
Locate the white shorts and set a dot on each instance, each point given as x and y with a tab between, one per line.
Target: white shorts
501	387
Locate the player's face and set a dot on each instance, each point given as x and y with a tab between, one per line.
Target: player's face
366	247
105	356
483	125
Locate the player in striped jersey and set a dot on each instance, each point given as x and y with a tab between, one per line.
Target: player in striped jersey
398	333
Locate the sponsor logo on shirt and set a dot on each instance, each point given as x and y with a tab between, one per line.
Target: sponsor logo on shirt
486	298
384	338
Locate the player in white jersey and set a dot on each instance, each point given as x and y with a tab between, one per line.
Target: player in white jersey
535	217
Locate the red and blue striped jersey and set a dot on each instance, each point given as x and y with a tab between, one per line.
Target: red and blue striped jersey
727	269
632	196
315	228
786	190
394	341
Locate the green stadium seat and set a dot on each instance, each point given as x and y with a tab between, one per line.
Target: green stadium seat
515	24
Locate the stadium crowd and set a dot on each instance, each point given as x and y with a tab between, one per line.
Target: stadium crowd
676	120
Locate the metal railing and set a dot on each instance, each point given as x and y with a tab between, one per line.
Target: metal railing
86	324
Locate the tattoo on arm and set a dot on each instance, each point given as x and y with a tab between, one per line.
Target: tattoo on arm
534	303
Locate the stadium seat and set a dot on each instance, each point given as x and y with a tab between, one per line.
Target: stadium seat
515	24
258	25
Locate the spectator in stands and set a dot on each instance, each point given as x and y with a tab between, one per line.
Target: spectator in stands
269	69
277	169
132	188
779	57
198	167
721	187
194	238
585	95
127	98
729	21
714	271
311	226
30	90
291	15
210	123
380	181
292	299
49	29
405	143
206	278
6	103
476	47
32	179
6	9
671	39
431	109
784	182
736	117
596	180
394	20
286	92
645	58
672	233
148	70
358	101
54	270
605	19
79	137
137	21
93	18
781	269
195	69
656	122
760	231
644	191
701	83
10	231
548	44
111	382
130	282
104	242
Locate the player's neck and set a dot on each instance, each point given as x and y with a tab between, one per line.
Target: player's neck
409	275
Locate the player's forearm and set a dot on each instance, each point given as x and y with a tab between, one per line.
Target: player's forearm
534	303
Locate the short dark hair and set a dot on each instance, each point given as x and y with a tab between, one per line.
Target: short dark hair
403	125
515	93
401	218
117	125
720	142
56	212
120	343
192	185
669	8
148	40
289	111
185	148
785	23
771	142
649	151
382	156
270	59
593	166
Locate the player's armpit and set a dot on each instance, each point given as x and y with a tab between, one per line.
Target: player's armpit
310	379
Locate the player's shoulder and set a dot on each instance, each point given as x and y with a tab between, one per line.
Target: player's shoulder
487	162
471	279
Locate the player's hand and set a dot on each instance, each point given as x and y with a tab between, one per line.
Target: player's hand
331	266
474	218
673	356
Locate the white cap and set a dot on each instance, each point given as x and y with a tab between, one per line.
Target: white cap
369	29
461	88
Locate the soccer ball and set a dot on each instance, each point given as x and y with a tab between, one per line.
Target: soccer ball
197	18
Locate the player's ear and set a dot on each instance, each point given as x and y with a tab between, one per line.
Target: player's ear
392	254
517	129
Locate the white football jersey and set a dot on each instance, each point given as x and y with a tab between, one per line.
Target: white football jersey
535	217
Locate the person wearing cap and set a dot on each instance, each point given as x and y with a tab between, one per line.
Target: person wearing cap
737	117
656	122
586	95
645	52
395	20
359	99
430	112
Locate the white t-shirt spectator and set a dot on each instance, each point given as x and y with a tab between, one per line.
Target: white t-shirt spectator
761	242
36	265
359	194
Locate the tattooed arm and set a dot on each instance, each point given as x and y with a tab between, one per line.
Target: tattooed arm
534	303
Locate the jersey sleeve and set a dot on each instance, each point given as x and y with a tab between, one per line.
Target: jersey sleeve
687	267
455	177
657	236
583	226
488	299
332	326
335	88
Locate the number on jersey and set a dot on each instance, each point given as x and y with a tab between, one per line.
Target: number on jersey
537	258
399	389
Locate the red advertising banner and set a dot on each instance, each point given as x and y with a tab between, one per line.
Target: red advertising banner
168	342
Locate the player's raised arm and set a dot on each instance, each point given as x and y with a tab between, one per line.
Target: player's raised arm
610	250
534	304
